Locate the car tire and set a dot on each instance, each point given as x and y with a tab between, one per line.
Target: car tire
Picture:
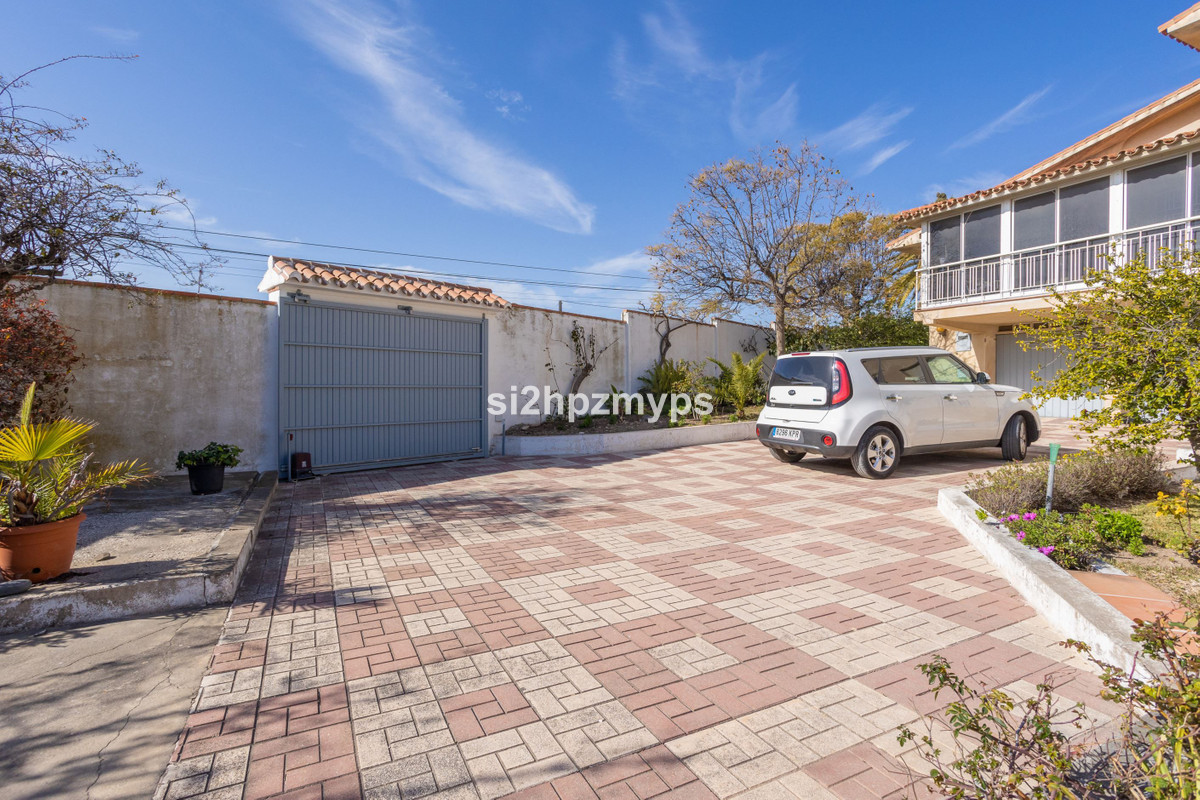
877	454
1014	443
784	456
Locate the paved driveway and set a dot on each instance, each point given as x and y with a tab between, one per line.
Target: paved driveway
700	622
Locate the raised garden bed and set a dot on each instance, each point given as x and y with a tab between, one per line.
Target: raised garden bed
654	438
614	424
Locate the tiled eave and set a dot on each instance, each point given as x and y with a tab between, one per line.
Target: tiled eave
1050	178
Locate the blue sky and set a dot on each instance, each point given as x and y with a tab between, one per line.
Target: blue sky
561	134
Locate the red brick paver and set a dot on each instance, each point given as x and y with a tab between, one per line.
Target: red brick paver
696	623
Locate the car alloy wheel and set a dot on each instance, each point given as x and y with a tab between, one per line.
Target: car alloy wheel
881	452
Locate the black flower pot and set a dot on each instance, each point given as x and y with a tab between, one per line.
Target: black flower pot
206	478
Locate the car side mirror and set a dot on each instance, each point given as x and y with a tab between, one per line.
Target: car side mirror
982	377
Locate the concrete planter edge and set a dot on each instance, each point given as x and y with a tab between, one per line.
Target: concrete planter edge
578	444
1075	611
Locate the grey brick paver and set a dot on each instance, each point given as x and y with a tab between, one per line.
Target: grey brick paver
474	629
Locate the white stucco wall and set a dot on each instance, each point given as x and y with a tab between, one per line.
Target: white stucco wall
169	371
165	371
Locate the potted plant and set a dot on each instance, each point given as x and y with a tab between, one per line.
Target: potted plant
46	478
206	467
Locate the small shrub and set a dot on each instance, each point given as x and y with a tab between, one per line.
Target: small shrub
1100	477
1116	529
34	348
612	419
585	422
1182	507
212	454
1069	540
1003	747
706	419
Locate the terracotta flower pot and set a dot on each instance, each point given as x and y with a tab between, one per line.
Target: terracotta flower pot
39	552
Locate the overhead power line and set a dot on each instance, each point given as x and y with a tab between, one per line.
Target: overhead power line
402	254
430	273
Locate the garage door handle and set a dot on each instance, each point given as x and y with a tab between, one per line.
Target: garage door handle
893	397
950	397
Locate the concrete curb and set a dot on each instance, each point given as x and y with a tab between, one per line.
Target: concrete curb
586	444
1074	610
213	583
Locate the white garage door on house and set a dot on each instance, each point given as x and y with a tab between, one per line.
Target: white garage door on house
1015	367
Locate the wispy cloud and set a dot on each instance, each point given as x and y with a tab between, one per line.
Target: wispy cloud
121	35
509	104
877	160
676	39
424	125
1015	116
583	300
965	185
676	80
871	126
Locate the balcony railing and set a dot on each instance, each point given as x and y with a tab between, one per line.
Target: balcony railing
1035	271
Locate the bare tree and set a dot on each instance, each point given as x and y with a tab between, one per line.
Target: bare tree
668	317
755	232
585	355
82	217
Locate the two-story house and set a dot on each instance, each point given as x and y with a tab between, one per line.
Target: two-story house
990	258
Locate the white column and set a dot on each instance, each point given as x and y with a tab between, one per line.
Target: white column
1116	209
1006	247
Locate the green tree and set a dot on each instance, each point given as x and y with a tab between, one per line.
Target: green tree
754	232
82	216
887	329
1133	339
866	277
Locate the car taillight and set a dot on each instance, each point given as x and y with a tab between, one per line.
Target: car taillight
841	383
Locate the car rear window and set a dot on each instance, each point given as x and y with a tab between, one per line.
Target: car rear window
803	371
895	369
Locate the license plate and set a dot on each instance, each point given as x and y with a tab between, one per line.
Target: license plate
786	433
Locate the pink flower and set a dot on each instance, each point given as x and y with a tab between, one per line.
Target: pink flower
1011	518
1020	536
1032	515
1046	550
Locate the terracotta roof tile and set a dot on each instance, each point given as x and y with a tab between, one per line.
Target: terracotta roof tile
299	271
1043	177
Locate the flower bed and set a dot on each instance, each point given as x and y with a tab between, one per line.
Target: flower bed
1100	513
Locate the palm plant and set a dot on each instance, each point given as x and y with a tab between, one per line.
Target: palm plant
740	381
664	377
46	473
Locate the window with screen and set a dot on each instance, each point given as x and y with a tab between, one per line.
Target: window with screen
947	369
1195	185
895	369
1033	221
981	233
1083	210
1155	193
945	246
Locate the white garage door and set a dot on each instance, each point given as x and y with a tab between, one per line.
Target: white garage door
1015	367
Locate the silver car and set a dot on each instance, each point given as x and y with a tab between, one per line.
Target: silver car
873	404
